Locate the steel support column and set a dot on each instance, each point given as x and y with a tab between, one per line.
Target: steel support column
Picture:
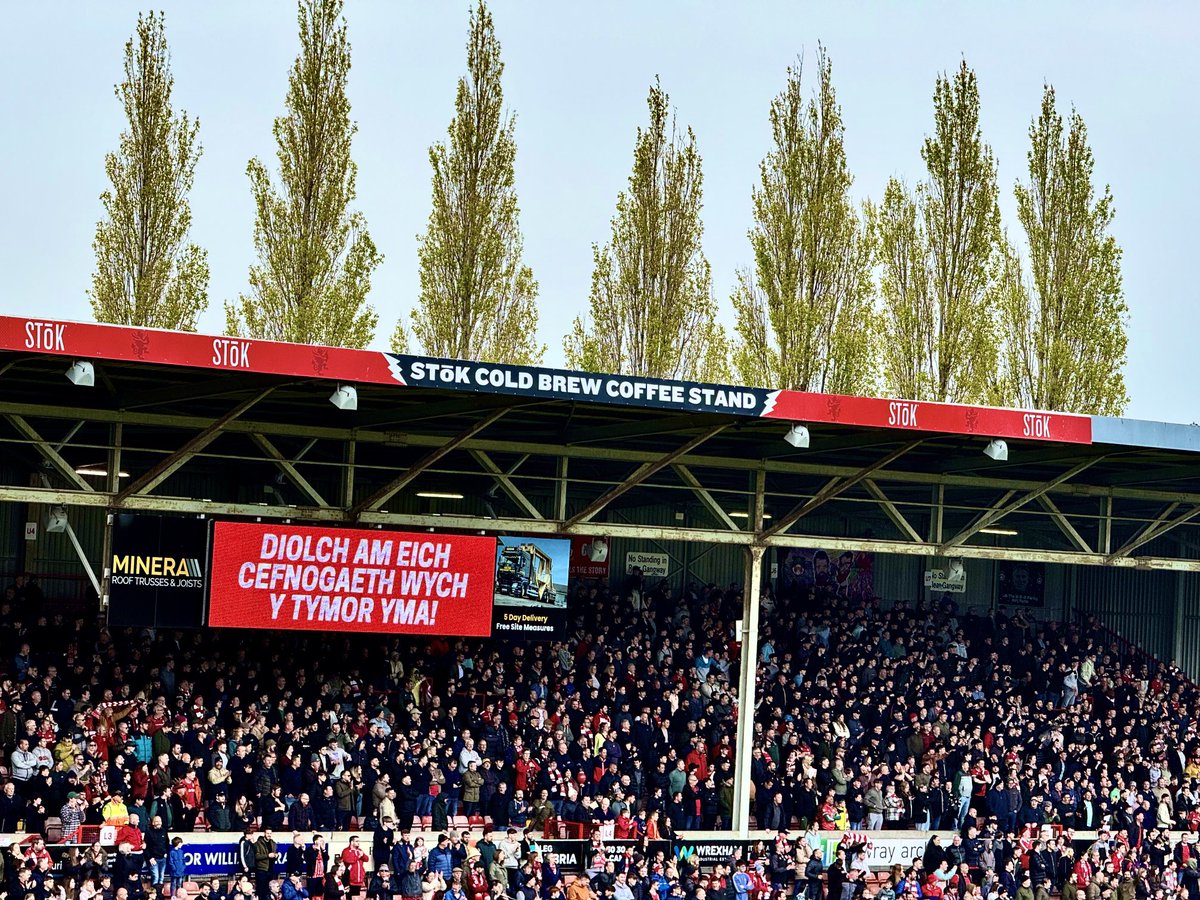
746	699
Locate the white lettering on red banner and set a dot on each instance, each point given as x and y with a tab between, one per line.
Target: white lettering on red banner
285	576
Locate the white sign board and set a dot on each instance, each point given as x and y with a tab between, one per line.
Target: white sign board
653	565
882	853
31	531
940	582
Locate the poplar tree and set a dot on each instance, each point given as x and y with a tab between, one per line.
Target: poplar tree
939	250
804	312
651	307
478	299
315	257
1064	325
147	274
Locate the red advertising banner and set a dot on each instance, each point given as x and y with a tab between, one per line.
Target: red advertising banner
589	557
89	341
914	415
272	575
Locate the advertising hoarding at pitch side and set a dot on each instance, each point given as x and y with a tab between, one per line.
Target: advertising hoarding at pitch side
274	575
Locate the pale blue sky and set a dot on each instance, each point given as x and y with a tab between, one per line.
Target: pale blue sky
577	76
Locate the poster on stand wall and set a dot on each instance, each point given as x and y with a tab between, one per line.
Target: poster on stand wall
157	571
277	575
845	573
531	587
1021	583
654	566
589	558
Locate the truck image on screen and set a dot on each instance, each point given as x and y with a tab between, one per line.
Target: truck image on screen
524	571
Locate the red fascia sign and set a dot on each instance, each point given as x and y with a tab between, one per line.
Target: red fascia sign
86	340
272	575
947	418
89	340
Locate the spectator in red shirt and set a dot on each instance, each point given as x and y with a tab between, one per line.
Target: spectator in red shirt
190	793
698	759
527	771
355	860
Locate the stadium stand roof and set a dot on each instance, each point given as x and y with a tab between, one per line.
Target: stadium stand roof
194	423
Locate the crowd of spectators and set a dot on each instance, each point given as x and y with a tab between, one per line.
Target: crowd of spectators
870	716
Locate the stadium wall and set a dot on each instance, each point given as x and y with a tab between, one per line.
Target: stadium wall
1139	606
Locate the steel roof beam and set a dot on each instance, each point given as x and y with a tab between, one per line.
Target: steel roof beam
288	468
991	518
204	390
645	428
427	412
49	452
1064	524
643	472
398	484
504	479
156	503
733	463
833	488
706	498
1156	529
159	473
892	511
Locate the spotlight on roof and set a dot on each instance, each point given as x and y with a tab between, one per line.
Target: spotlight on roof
345	397
56	521
996	449
797	436
82	373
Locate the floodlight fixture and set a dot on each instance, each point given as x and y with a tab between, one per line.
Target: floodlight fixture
996	449
345	397
797	436
82	373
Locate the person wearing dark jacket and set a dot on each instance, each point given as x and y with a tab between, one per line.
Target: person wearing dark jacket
499	806
1040	864
402	854
245	854
301	817
266	852
158	845
293	860
836	878
410	882
122	866
325	811
219	814
406	803
382	886
291	889
316	866
382	842
934	854
812	875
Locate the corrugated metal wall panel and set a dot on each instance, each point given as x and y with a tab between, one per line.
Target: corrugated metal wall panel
1139	606
54	558
899	577
1187	645
12	534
